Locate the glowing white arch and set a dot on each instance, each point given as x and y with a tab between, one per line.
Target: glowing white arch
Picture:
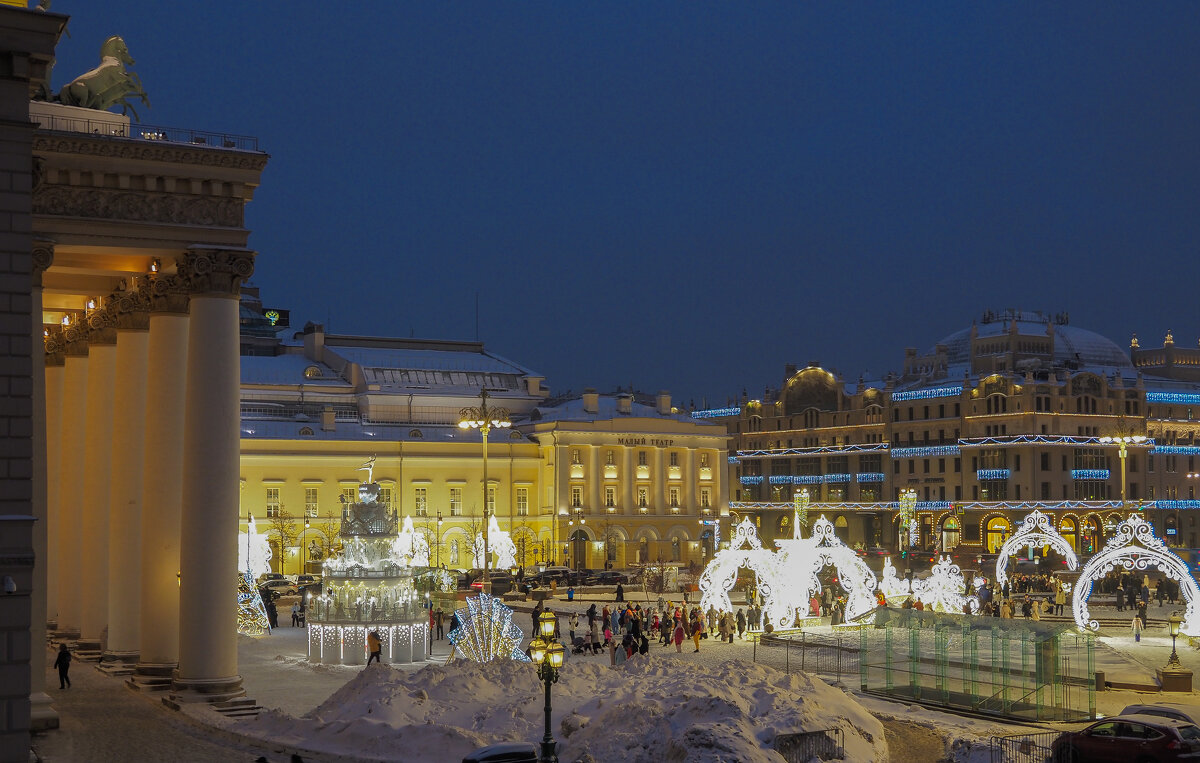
719	576
1135	547
943	590
1036	531
801	559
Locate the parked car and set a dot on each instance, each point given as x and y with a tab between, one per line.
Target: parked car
266	577
1129	739
304	580
279	587
502	582
1180	712
609	577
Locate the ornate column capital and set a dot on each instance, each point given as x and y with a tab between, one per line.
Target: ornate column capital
216	272
56	345
168	294
75	339
102	324
131	308
43	258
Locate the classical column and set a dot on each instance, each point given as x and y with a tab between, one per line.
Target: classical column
42	715
97	476
54	400
208	665
162	477
73	437
132	314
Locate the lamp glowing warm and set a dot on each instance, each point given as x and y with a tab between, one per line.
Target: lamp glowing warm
537	651
547	622
556	654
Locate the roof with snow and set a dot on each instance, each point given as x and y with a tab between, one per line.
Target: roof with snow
607	408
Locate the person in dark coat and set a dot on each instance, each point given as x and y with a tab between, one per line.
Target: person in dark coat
63	663
620	592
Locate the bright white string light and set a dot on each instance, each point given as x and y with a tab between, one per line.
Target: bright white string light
800	559
895	589
486	631
1135	547
943	590
1035	531
500	544
410	546
254	551
745	550
252	617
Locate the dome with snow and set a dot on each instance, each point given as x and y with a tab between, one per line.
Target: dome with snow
1068	346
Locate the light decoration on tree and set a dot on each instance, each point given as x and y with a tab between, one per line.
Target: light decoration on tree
908	516
745	551
252	617
943	590
1035	531
254	551
411	546
800	559
1135	547
895	589
801	507
486	631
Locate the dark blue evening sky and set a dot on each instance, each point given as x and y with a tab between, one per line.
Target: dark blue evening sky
688	196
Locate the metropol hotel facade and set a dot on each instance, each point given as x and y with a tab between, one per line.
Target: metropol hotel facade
1012	414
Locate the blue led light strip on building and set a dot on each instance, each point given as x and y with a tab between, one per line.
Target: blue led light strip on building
1089	474
713	413
1023	506
928	450
752	479
1175	505
992	474
870	477
1173	397
1184	450
814	450
1034	439
925	394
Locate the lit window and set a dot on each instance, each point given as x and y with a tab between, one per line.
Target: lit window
675	498
522	502
643	497
576	497
273	505
610	497
310	502
421	502
456	501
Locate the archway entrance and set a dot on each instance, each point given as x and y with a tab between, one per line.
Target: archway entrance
951	533
1067	527
578	542
996	531
745	552
1135	547
1036	530
1092	534
801	559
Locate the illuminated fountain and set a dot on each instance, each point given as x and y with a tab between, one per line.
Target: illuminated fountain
370	587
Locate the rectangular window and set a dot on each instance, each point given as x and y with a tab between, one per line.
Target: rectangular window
385	497
522	502
674	459
349	495
641	458
576	497
610	497
456	506
491	499
674	498
704	498
1045	462
421	502
273	506
310	502
575	456
643	497
704	459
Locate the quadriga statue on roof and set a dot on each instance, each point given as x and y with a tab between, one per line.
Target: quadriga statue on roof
109	84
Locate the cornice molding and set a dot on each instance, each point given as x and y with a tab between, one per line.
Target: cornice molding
138	206
148	151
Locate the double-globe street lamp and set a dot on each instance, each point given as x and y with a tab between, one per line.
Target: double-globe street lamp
1123	441
547	653
483	418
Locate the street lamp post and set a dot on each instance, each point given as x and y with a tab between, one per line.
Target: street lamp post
483	418
576	516
1174	622
303	560
439	540
547	653
1123	442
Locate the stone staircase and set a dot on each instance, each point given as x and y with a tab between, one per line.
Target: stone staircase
242	707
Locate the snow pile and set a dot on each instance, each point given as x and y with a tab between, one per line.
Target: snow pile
654	709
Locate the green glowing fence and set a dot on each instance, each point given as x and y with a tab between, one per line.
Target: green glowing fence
1009	668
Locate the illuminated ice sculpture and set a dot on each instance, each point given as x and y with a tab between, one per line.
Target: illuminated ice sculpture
1035	531
745	551
254	559
800	559
411	546
254	551
500	545
895	589
1134	546
943	590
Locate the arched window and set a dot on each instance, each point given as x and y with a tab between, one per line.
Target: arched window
676	552
306	431
417	433
1067	528
997	531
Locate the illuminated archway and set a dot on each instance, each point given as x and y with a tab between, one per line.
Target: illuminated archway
951	532
1092	534
800	559
943	590
1036	531
1135	547
745	551
996	530
1068	527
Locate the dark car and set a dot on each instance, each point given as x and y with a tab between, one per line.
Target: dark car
1129	739
502	582
609	577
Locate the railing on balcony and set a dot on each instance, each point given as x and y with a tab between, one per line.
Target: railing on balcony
107	127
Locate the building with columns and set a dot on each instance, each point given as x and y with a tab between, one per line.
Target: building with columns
997	419
140	241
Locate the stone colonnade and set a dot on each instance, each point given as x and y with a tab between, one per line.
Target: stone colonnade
141	462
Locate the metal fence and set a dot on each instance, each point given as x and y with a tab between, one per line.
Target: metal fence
108	128
1023	748
803	748
835	656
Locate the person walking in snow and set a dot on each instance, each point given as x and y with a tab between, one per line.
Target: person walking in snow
375	645
572	624
741	623
678	637
63	663
1137	627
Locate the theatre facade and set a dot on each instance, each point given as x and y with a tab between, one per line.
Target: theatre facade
1019	411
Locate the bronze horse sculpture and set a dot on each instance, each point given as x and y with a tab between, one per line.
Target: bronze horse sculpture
109	84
